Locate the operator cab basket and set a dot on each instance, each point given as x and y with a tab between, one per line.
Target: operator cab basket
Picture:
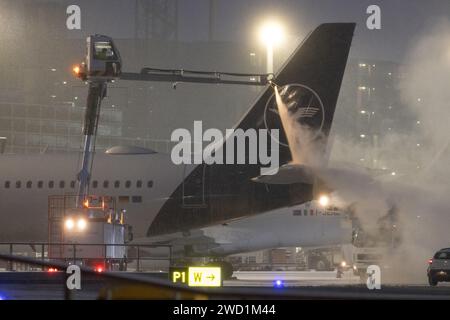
103	61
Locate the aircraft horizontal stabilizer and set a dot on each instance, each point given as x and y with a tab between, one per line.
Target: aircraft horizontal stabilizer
288	174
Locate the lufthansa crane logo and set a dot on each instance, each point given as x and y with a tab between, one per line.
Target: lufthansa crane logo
304	105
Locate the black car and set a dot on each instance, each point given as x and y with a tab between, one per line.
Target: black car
439	267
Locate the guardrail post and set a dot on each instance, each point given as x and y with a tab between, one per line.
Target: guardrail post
138	269
10	253
42	255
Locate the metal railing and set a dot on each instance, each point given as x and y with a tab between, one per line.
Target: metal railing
87	253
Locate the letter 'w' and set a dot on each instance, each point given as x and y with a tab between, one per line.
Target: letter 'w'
197	277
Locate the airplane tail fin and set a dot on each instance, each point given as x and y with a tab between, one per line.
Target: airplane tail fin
309	85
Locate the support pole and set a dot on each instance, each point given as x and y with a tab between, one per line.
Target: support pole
97	91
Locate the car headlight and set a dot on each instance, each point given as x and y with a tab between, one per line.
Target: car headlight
343	264
69	224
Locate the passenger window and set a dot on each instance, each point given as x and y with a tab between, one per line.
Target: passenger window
124	199
136	199
117	184
7	184
72	184
62	184
127	184
18	184
150	184
139	184
40	184
29	184
95	184
106	184
51	184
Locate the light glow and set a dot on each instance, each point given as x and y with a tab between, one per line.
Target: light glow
69	224
272	33
76	70
81	224
278	283
324	200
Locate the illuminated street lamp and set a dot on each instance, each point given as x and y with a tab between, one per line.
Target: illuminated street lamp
271	35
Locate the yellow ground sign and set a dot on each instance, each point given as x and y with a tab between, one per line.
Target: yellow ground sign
205	277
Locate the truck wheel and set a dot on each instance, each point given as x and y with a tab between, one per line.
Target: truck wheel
433	282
